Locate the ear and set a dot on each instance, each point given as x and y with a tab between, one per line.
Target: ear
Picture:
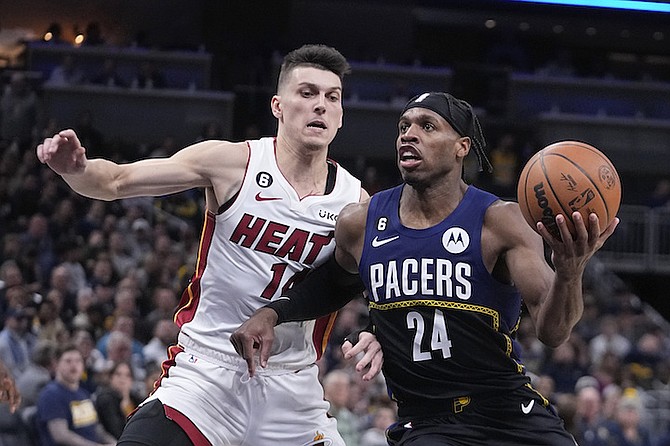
275	106
463	144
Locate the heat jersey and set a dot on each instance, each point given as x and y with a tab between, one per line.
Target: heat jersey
444	322
263	242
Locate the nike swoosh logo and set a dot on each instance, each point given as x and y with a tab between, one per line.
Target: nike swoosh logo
259	198
376	243
526	408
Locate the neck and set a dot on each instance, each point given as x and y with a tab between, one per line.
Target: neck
426	207
72	385
304	167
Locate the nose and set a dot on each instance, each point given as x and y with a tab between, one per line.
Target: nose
409	135
320	105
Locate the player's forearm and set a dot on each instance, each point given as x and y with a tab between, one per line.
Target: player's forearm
325	290
96	181
560	311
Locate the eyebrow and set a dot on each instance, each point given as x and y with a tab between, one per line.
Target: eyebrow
313	85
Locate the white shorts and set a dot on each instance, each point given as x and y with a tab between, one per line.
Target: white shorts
275	407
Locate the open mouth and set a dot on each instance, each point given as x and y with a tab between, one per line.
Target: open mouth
317	125
408	154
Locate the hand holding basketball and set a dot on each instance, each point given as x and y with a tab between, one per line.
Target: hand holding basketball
565	177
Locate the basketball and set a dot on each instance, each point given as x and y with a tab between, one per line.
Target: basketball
565	177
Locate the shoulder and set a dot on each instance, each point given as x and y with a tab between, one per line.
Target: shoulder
351	221
210	151
505	228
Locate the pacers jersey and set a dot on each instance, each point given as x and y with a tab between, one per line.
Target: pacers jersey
444	322
263	243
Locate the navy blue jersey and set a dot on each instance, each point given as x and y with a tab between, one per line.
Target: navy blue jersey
444	322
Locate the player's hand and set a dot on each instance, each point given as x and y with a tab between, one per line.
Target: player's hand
573	252
372	360
8	392
255	335
63	153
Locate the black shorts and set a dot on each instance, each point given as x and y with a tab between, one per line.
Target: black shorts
517	418
150	427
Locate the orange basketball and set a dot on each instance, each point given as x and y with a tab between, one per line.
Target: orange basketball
565	177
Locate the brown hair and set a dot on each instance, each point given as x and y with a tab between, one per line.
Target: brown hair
317	56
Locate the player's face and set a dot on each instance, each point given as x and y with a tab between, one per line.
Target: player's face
309	106
428	148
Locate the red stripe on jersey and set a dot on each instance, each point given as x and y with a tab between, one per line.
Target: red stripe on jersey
323	327
191	295
193	433
172	352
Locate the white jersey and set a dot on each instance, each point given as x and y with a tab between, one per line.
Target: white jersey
263	243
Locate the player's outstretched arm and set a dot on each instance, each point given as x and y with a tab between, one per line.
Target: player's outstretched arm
553	297
192	166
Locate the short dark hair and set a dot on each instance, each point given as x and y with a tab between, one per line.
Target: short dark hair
317	56
64	348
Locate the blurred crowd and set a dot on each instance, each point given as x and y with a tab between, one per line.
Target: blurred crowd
108	276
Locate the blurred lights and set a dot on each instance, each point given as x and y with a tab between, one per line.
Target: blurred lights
48	36
524	26
490	24
558	29
79	39
591	31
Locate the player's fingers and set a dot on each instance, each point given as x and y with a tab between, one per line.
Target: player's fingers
609	230
563	229
265	348
346	348
375	366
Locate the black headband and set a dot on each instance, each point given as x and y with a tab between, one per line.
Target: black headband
460	116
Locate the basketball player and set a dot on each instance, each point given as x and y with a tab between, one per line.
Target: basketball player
271	210
446	266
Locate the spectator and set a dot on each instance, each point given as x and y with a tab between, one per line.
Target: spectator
382	418
165	334
116	400
94	361
626	429
40	371
609	340
124	324
164	300
588	416
66	73
119	349
17	341
65	412
51	326
336	388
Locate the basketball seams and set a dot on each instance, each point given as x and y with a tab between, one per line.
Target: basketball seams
551	186
585	173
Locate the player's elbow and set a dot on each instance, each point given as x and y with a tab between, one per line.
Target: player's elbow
552	337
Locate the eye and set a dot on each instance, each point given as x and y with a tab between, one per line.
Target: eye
334	97
428	126
306	93
403	126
